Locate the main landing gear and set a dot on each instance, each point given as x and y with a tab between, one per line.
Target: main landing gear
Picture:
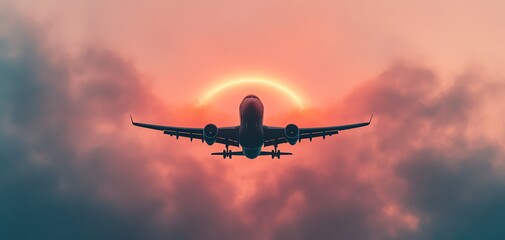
227	153
276	153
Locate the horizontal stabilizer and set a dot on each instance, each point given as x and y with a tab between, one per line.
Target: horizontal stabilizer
238	153
228	154
274	153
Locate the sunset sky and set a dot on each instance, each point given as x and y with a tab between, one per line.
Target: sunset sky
430	166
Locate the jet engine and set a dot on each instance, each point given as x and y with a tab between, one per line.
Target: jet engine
292	133
210	133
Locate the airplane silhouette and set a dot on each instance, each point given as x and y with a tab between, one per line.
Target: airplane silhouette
251	134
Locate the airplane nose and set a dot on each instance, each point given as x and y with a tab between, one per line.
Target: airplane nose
251	107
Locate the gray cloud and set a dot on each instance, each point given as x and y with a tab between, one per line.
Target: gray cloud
423	153
51	104
453	182
459	197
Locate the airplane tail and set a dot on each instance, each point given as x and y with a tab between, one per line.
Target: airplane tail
230	153
275	154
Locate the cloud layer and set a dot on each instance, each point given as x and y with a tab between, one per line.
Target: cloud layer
73	168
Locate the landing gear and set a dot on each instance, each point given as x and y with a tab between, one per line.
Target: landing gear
276	152
227	153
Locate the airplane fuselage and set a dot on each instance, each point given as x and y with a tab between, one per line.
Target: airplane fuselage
251	136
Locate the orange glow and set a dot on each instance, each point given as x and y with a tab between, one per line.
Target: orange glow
253	80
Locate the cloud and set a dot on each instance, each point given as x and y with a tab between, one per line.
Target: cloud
422	170
73	168
70	170
44	193
431	138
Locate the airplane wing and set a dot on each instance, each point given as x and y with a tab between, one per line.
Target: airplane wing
276	135
225	135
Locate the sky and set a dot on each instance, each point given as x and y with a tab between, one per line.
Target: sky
430	166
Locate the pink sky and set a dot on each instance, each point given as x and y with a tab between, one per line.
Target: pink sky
431	72
323	47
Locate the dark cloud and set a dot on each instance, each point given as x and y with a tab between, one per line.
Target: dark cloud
422	171
43	194
450	169
70	168
458	196
62	177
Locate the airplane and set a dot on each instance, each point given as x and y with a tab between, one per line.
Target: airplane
251	135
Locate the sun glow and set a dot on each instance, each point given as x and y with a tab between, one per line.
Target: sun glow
252	80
